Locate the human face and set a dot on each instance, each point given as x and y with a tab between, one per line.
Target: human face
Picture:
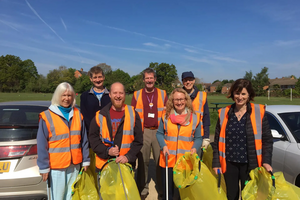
179	102
117	95
241	98
188	83
97	80
149	80
66	99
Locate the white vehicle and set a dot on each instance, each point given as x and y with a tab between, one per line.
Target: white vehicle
284	121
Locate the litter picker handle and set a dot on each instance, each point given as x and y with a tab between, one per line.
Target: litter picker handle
167	184
219	179
273	179
48	187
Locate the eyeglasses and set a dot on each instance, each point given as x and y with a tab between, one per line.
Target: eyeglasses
178	100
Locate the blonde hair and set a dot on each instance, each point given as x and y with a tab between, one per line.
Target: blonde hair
60	89
170	104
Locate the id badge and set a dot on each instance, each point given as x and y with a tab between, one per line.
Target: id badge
151	115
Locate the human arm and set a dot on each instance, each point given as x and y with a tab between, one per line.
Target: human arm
85	146
206	121
84	111
137	143
197	138
95	141
43	149
267	144
216	160
160	135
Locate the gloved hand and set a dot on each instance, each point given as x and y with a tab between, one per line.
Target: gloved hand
205	143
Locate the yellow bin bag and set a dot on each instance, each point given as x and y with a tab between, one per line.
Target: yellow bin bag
111	186
194	184
84	187
264	186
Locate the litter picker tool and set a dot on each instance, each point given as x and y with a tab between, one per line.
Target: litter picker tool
48	187
167	185
219	181
122	181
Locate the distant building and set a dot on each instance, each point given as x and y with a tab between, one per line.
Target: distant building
78	73
284	83
206	87
226	88
214	86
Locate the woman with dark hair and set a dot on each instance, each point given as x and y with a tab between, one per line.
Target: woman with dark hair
178	132
243	140
62	143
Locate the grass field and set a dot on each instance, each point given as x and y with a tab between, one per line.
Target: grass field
211	99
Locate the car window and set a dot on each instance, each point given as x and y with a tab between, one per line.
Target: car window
19	122
274	124
292	121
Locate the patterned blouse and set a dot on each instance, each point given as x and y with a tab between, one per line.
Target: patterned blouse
236	139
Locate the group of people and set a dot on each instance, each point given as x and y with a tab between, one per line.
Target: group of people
153	123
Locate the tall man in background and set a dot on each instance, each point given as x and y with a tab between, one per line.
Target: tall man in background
149	102
199	104
94	99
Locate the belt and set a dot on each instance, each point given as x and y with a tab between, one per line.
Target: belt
152	128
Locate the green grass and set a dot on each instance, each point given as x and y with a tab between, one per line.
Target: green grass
210	98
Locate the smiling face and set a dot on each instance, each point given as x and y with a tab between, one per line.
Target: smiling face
117	95
188	83
97	79
66	99
149	81
179	102
241	98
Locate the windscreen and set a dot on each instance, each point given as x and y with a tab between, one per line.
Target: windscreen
19	122
292	120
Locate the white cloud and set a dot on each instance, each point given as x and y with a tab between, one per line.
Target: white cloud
190	50
227	59
150	44
9	25
32	9
200	60
287	43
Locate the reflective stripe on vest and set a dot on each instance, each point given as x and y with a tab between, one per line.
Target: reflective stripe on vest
178	141
140	105
198	105
256	117
128	133
64	143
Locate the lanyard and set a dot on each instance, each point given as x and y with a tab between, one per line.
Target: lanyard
150	102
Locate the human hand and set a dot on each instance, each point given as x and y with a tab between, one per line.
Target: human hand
114	151
205	143
45	176
268	167
193	150
85	168
217	170
166	151
122	159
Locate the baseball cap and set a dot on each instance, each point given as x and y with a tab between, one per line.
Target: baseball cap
187	75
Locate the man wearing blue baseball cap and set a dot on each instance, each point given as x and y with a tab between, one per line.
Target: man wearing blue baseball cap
199	104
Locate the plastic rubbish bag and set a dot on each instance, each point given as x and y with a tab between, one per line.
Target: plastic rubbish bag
194	184
84	187
264	186
207	157
111	186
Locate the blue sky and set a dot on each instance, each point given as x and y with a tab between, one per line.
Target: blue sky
215	39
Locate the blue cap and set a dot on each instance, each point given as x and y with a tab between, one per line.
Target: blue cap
187	75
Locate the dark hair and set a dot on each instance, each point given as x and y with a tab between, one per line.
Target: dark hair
149	71
95	70
238	86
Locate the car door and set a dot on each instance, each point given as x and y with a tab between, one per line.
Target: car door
280	146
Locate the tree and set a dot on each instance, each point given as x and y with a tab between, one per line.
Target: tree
216	81
106	68
297	86
259	81
62	74
118	76
15	73
249	76
136	82
166	75
83	83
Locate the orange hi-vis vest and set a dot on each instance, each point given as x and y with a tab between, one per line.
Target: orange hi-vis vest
178	141
128	133
256	117
198	105
140	106
64	143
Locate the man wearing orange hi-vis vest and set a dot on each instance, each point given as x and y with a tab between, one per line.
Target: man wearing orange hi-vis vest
149	102
116	130
200	105
243	140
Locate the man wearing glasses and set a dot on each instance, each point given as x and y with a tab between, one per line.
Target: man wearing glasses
149	102
199	104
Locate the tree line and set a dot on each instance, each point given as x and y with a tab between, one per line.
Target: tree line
22	76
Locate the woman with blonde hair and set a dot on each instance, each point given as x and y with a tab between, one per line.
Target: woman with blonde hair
62	143
178	132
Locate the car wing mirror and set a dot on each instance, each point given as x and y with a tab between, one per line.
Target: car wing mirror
275	134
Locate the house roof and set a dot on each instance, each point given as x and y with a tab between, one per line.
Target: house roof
216	83
228	85
283	81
